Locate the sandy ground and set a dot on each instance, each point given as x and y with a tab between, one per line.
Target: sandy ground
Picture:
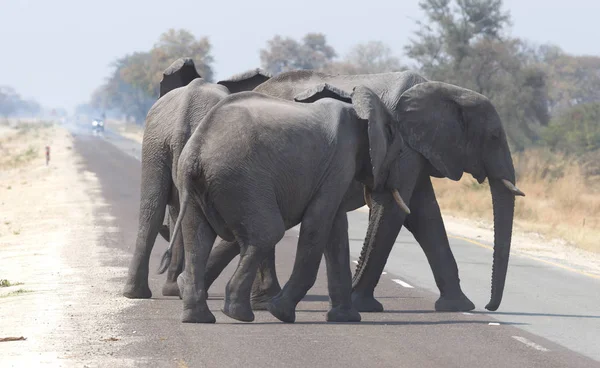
65	306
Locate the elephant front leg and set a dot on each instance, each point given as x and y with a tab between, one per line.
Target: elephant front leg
426	224
198	239
314	233
339	276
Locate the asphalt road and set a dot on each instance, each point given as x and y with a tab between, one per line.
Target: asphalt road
549	316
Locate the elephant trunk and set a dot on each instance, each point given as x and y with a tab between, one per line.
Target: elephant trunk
504	206
385	220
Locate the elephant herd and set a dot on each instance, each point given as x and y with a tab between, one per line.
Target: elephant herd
247	158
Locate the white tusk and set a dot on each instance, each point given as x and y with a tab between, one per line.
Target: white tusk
368	200
512	188
400	201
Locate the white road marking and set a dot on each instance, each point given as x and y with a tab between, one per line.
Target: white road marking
355	262
402	283
493	324
384	273
467	314
531	344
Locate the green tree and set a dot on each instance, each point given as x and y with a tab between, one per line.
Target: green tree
463	42
367	58
133	86
284	54
576	129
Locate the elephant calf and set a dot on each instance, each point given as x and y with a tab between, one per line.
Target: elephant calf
258	165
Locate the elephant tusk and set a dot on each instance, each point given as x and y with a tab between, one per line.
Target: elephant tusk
512	188
368	200
400	201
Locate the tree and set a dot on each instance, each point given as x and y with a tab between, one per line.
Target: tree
575	130
284	54
9	101
133	86
367	58
465	45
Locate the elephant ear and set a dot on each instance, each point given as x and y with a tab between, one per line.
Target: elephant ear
246	81
178	74
381	129
433	123
323	90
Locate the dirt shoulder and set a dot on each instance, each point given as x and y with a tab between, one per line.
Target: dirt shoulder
61	299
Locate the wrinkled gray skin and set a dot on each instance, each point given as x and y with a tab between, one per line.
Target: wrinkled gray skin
258	165
165	135
449	131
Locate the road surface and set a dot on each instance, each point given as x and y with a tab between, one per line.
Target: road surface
549	316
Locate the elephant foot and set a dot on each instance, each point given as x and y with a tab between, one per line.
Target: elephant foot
240	311
132	291
282	309
454	304
198	315
364	303
339	314
261	301
170	288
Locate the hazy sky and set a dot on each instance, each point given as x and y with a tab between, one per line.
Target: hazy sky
59	51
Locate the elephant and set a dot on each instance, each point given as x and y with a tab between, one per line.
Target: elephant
448	131
165	135
258	165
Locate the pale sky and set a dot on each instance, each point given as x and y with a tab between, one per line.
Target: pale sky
59	51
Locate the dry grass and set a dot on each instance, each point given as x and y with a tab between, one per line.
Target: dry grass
563	197
22	143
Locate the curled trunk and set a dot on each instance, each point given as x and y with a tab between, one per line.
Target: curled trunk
504	206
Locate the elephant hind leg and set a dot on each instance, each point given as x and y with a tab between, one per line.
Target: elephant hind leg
154	195
256	243
198	239
170	287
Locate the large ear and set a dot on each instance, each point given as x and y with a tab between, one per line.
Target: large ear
433	123
178	74
381	130
246	81
323	90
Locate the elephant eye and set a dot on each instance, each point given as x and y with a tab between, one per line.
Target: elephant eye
495	134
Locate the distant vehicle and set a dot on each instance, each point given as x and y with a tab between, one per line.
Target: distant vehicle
98	125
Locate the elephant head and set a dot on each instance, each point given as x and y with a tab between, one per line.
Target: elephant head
458	130
385	142
178	74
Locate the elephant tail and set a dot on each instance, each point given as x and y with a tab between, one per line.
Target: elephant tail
166	258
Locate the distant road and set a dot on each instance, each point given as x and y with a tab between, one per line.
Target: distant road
549	316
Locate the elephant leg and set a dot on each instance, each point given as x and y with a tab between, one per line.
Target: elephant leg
339	276
314	233
155	191
426	224
265	286
198	239
220	257
170	288
253	249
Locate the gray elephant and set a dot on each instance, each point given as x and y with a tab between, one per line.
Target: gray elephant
449	130
258	165
165	135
